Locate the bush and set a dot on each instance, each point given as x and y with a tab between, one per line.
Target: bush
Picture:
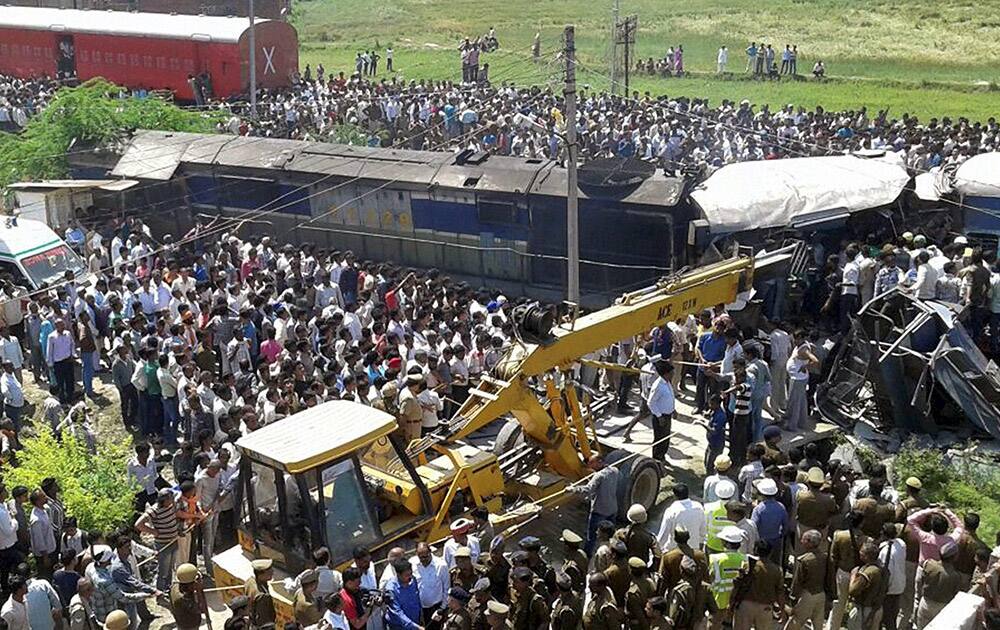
95	488
960	483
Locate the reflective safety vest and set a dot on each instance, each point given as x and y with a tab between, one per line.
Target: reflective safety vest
724	568
715	520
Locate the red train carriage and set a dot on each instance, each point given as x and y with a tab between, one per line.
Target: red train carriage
146	50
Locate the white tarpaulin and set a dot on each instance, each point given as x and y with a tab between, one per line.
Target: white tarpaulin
778	193
979	176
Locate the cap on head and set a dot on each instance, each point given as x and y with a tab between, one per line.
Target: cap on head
725	489
771	432
723	463
187	573
636	563
309	576
460	594
571	537
497	608
913	482
767	487
482	584
262	564
463	552
530	543
816	475
731	534
117	620
637	514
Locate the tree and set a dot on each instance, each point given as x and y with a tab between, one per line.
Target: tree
96	113
95	487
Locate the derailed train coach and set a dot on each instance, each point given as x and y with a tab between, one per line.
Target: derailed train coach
493	219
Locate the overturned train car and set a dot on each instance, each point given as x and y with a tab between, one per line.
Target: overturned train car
493	219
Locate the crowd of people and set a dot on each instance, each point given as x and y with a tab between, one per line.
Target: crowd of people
212	336
20	99
680	134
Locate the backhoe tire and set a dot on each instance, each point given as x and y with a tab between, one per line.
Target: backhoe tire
510	436
638	480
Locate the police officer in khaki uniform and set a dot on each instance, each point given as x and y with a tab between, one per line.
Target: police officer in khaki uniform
576	561
618	574
914	499
457	616
639	591
259	593
477	606
656	613
867	590
187	599
670	563
690	600
814	508
496	567
875	510
464	574
496	616
601	613
939	584
306	607
808	581
410	412
117	620
639	541
766	589
567	610
528	609
533	547
845	554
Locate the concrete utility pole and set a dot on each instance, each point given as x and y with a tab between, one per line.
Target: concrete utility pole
252	40
614	46
572	219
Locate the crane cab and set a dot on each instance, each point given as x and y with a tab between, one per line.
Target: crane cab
336	476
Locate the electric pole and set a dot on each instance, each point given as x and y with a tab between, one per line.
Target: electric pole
625	35
572	218
614	46
252	40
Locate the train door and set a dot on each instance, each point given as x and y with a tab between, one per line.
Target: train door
66	57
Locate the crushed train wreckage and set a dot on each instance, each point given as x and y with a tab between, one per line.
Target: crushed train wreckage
909	368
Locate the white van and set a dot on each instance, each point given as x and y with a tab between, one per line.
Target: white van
33	254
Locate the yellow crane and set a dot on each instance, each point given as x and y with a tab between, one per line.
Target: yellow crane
336	476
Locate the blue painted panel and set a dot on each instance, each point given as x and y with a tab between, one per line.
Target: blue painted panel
986	221
463	218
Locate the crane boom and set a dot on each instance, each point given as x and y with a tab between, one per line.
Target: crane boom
636	313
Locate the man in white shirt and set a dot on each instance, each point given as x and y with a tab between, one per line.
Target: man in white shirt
850	296
661	404
892	556
433	580
682	513
13	394
925	286
14	611
460	537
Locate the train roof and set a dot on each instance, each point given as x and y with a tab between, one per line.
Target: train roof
158	25
158	154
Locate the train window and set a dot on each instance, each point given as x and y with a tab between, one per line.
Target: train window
189	65
161	63
109	58
3	49
121	59
38	51
147	61
133	60
175	63
497	212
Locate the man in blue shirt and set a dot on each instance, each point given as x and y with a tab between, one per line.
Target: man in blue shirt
770	517
711	348
403	605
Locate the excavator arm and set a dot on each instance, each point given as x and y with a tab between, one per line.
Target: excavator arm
511	390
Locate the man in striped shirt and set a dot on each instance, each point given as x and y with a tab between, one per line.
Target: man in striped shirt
161	522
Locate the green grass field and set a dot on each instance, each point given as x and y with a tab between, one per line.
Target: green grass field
923	57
